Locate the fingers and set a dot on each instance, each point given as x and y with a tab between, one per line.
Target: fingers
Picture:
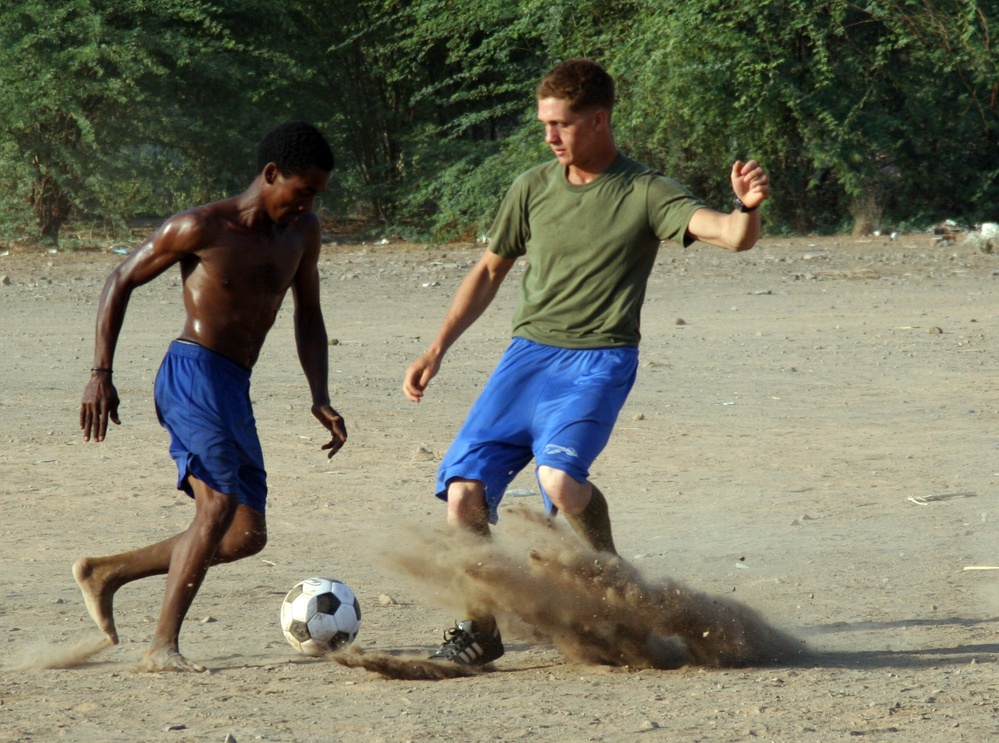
334	423
751	174
100	402
415	382
413	393
337	441
112	414
750	183
94	420
333	447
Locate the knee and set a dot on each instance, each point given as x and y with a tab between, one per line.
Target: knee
564	491
215	511
466	505
248	544
240	542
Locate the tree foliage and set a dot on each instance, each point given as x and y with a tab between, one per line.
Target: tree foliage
865	112
117	107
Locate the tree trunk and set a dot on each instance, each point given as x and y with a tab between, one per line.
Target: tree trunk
51	206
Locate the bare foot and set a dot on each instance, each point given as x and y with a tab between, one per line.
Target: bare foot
167	659
98	594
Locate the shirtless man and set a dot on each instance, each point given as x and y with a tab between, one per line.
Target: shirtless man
238	258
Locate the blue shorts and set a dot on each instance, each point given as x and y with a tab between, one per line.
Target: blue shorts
203	400
557	405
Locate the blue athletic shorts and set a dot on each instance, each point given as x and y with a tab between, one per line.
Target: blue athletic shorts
203	400
557	405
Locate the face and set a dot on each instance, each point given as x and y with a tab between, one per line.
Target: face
572	136
291	196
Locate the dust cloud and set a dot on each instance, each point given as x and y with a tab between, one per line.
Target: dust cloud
54	655
595	607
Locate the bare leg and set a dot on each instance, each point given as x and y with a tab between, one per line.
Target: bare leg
184	558
100	578
467	509
584	506
593	525
466	506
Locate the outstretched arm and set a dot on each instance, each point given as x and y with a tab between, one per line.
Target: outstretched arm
741	229
477	291
179	236
312	342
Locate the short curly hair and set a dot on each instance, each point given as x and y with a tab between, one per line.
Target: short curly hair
581	83
293	147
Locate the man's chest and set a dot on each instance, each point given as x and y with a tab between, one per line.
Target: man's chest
579	227
258	269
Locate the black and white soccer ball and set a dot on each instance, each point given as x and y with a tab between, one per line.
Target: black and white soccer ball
320	615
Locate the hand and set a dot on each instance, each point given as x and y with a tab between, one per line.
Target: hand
100	402
333	422
419	374
749	183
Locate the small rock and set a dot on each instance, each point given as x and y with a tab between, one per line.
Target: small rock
679	321
334	341
208	620
386	600
176	726
935	331
638	417
229	738
423	454
650	725
5	280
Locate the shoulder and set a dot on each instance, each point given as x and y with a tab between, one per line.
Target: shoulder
659	186
539	175
195	227
308	225
626	168
310	233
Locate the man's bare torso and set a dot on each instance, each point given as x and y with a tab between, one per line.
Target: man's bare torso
233	287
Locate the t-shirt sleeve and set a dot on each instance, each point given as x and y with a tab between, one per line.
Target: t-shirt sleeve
670	208
511	228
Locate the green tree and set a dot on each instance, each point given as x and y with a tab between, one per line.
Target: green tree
402	88
120	107
482	65
345	76
864	112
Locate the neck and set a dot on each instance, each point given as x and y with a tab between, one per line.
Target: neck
589	171
252	213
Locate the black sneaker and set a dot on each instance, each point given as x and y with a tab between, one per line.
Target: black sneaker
465	646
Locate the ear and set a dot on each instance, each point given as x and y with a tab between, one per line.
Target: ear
270	173
600	119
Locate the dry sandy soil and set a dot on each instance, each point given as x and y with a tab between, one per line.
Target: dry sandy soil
813	433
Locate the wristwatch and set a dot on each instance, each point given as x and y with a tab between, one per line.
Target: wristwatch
742	207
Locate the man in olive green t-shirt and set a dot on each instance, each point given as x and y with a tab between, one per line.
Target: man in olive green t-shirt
590	223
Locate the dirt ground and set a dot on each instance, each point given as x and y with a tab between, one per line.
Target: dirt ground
813	433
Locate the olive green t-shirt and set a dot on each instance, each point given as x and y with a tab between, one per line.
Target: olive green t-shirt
590	249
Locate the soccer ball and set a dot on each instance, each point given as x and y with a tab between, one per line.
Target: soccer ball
320	615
